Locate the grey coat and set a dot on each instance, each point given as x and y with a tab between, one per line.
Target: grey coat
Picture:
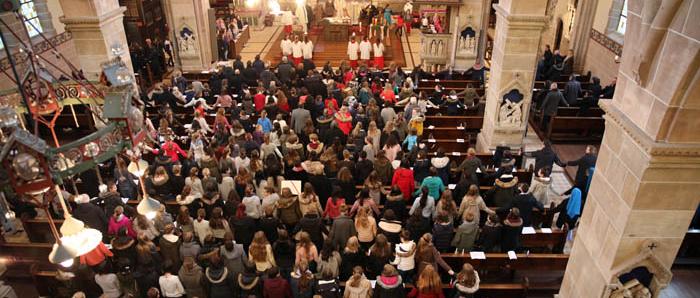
342	229
552	101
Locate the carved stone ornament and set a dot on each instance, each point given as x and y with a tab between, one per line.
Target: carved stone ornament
642	276
510	113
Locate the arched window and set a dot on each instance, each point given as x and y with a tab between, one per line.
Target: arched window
32	19
622	21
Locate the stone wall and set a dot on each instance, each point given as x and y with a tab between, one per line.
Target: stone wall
601	62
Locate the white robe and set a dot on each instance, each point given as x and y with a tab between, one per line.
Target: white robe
353	48
302	17
308	50
378	49
365	49
297	49
286	46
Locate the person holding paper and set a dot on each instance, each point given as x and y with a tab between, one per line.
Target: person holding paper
512	228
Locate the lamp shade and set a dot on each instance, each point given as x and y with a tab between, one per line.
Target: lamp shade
62	253
77	236
148	207
138	168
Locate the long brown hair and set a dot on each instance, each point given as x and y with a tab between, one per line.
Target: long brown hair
381	247
217	218
258	248
467	277
344	175
429	280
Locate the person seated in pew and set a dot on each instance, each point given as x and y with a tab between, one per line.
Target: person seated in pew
526	202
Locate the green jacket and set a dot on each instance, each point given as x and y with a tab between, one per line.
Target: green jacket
435	186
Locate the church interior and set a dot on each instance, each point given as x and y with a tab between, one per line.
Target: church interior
349	148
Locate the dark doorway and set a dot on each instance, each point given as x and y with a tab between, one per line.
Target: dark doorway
557	39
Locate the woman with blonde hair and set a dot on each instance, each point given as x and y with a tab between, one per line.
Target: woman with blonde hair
374	184
351	256
472	203
306	250
374	133
467	282
308	200
358	286
428	284
366	227
261	252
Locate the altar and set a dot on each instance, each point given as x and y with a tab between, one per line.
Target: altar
336	29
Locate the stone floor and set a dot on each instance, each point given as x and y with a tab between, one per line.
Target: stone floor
260	42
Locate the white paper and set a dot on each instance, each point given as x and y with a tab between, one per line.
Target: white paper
437	80
514	170
460	140
125	200
431	127
511	255
235	95
431	141
477	255
187	126
451	186
372	282
478	170
293	185
460	127
136	181
546	230
456	153
528	230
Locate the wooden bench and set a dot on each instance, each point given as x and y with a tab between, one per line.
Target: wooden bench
38	230
570	124
469	122
431	83
497	261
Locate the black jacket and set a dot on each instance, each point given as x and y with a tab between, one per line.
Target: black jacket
92	216
584	163
313	224
552	101
526	202
545	157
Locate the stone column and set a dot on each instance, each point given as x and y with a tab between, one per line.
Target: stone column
583	22
191	16
518	27
644	189
483	33
96	26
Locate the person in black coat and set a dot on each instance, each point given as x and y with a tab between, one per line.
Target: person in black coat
512	228
363	168
90	214
312	223
545	157
526	202
584	163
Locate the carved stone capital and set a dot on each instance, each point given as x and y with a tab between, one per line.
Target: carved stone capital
521	21
688	152
90	22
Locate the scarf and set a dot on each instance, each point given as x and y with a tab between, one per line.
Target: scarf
573	208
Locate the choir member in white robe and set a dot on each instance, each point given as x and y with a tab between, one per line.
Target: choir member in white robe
365	50
353	48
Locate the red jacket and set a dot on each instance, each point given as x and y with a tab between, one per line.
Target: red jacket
276	288
404	179
259	101
416	294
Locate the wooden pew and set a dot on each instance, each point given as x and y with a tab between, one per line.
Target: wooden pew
469	122
431	83
571	125
38	252
446	133
37	229
496	261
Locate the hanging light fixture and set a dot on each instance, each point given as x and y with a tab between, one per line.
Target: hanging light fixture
148	207
76	241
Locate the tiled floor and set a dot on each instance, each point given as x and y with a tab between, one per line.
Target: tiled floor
260	42
560	182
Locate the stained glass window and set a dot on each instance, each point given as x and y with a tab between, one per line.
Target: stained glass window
622	23
32	23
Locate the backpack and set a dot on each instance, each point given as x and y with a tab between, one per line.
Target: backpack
329	290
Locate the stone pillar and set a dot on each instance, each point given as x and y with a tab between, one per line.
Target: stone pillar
583	22
96	26
644	188
518	27
185	17
483	35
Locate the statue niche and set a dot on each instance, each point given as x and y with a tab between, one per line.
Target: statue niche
467	40
642	276
510	113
